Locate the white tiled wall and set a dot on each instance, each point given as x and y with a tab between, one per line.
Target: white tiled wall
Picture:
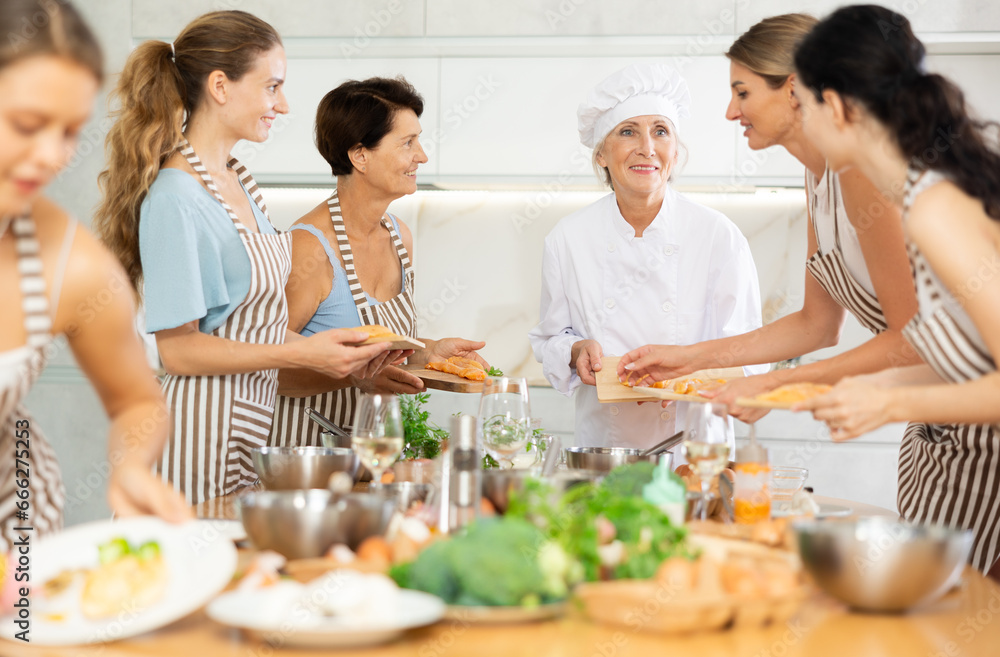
545	54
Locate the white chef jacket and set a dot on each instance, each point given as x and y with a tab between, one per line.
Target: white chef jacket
689	278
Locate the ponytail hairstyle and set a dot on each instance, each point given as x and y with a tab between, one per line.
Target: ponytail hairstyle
47	27
869	55
768	48
158	91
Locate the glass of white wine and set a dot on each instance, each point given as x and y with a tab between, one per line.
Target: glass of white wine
377	437
505	418
706	447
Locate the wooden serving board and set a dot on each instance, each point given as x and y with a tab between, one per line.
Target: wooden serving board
751	402
444	381
610	390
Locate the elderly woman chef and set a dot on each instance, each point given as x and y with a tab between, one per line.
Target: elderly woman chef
640	265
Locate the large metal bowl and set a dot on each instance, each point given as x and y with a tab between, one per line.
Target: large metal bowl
879	564
303	524
499	483
295	468
603	459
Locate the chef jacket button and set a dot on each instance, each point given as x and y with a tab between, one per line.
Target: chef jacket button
611	247
614	410
665	415
668	250
667	307
610	303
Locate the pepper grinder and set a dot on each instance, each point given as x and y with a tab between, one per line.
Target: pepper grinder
465	486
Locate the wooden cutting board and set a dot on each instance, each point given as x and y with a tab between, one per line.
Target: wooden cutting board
754	402
396	342
444	381
610	390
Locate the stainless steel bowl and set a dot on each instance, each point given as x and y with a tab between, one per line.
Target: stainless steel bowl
303	524
331	439
294	468
603	459
879	564
405	493
499	483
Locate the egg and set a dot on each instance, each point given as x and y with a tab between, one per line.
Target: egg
375	551
677	575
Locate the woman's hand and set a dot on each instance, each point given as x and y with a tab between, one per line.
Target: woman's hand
654	362
586	358
854	406
392	380
331	352
742	387
135	490
445	348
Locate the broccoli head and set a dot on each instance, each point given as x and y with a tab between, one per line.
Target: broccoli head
432	572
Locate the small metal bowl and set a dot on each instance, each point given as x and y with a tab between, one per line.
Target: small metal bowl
879	564
499	483
303	524
295	468
603	459
405	493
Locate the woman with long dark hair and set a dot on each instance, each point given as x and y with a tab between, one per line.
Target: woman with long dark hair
870	105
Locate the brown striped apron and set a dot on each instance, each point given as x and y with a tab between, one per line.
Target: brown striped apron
949	474
217	420
831	272
47	494
398	314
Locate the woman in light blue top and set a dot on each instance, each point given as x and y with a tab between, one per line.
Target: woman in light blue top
350	258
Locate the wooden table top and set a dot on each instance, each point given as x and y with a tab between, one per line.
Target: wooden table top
964	623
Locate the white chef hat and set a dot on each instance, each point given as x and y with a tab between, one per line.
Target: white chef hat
636	90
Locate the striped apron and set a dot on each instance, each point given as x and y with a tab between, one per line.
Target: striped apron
399	315
217	420
949	474
39	465
831	272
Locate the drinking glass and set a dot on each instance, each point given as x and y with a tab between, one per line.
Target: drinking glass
377	437
706	447
505	417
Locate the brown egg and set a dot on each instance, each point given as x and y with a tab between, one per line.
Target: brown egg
676	575
404	548
375	551
388	477
486	508
741	580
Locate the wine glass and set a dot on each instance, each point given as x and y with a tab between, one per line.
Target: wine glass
505	417
377	437
706	447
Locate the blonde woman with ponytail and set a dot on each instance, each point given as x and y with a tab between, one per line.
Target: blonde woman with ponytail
50	268
191	228
856	257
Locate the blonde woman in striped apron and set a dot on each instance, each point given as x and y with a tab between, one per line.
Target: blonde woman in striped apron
49	268
350	258
847	220
911	134
189	223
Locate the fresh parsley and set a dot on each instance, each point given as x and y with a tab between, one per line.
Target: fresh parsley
422	439
494	371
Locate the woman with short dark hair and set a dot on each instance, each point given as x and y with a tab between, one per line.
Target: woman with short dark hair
869	104
351	262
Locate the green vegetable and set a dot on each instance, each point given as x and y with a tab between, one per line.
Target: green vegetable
489	462
497	562
421	438
148	550
113	550
493	371
645	530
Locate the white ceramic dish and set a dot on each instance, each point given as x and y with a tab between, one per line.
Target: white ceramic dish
273	616
199	560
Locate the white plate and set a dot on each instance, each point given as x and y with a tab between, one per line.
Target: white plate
825	511
199	562
273	619
231	529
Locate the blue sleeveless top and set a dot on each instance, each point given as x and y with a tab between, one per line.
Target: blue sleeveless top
338	309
